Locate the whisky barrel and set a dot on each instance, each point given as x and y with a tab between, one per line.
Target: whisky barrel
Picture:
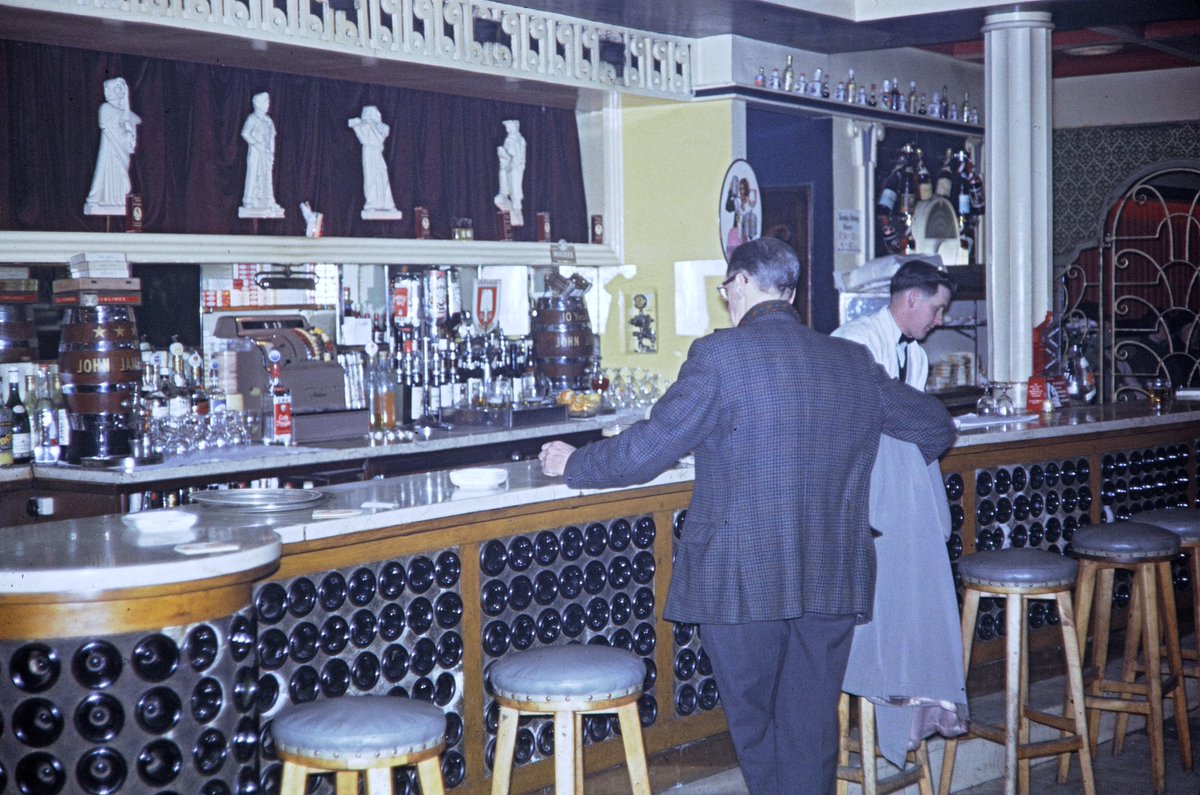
18	334
98	359
562	340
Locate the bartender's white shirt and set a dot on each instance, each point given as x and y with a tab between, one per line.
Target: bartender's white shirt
880	334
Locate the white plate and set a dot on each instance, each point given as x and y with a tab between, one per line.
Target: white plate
478	477
258	500
159	521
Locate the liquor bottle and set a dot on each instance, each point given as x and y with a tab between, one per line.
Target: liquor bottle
953	112
872	99
416	376
801	86
964	193
891	238
975	188
760	79
890	192
924	180
886	97
60	412
896	93
446	380
945	180
516	367
432	374
839	92
472	369
912	96
280	429
851	88
902	103
156	397
774	81
935	106
29	395
944	107
908	189
825	87
216	394
22	438
198	401
179	399
965	109
923	107
6	435
814	87
789	75
46	448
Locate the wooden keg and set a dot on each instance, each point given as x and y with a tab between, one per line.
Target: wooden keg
562	340
18	334
99	362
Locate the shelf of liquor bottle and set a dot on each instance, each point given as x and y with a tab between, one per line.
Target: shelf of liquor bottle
170	249
242	310
837	108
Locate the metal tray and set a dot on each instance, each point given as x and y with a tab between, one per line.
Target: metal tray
258	500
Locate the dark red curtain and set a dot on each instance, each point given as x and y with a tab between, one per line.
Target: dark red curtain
190	161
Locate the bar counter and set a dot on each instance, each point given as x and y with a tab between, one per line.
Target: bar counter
419	594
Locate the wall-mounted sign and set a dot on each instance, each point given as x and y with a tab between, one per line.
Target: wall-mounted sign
740	213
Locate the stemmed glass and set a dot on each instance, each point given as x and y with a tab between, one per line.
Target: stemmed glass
987	404
1004	403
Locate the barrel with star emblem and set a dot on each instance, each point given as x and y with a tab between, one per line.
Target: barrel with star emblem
100	366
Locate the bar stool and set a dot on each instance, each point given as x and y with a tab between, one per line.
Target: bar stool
1185	523
1021	575
569	682
1147	551
866	774
353	734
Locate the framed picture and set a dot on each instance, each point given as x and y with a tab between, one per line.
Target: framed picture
740	211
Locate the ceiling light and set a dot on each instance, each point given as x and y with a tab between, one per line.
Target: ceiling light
1092	50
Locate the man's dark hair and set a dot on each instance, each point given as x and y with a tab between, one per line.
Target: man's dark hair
925	277
770	262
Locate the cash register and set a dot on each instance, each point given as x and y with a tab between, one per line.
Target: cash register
308	368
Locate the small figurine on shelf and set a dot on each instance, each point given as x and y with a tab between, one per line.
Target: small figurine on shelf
118	140
760	79
258	198
511	154
377	188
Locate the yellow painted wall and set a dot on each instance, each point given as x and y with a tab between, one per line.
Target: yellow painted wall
675	158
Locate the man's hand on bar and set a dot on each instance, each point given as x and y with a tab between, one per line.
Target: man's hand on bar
554	457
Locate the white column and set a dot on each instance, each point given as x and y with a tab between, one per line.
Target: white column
1018	169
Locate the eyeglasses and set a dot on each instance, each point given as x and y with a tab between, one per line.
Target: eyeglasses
723	287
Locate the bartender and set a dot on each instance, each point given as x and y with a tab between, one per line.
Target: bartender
920	294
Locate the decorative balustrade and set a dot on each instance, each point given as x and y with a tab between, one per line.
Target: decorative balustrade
485	37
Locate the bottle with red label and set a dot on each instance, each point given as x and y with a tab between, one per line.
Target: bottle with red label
278	428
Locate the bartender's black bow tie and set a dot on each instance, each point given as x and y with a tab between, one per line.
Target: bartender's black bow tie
902	356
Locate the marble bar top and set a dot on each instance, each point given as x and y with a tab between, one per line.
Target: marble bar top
91	555
232	461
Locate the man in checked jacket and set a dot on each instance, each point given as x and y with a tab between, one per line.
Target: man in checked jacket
776	563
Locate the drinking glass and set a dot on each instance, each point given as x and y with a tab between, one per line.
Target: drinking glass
1161	394
986	405
1004	403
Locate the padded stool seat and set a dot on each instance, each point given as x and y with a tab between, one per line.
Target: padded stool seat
1020	575
1125	542
564	673
1147	552
1018	569
1183	522
569	682
359	733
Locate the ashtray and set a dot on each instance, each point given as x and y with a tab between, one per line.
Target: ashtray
478	477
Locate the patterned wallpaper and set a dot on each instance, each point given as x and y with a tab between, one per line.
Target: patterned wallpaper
1091	163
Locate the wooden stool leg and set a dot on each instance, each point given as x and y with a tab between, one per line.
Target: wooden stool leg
1025	723
635	751
925	784
1103	609
347	782
843	786
379	781
1070	637
1085	586
1013	619
1147	583
429	773
1133	639
868	746
1170	632
506	746
293	779
970	614
565	738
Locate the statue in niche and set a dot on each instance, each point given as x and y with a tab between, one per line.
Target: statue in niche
512	172
118	140
258	198
377	189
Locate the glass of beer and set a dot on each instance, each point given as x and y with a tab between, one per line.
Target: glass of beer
1161	394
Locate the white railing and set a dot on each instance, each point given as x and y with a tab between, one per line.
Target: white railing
476	35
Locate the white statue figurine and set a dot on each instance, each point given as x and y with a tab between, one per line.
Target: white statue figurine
512	172
258	198
118	140
377	190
